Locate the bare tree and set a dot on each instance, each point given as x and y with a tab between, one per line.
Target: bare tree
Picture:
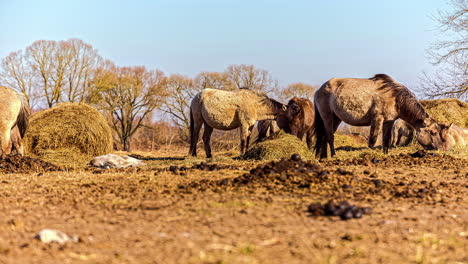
298	90
128	95
52	71
247	76
450	79
17	74
215	80
83	62
180	90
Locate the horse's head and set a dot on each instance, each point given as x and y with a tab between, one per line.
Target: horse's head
292	119
429	134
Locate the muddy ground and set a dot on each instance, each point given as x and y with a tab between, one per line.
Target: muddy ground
413	210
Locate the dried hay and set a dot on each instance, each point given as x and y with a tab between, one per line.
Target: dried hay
69	128
347	140
279	145
447	111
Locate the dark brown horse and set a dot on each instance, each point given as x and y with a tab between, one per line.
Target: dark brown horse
377	102
297	120
227	110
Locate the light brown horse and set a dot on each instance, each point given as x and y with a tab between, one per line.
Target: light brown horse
14	111
377	102
453	135
227	110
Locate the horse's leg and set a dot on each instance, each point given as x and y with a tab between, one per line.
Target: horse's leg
206	140
336	124
195	133
244	134
309	138
376	126
387	134
5	141
394	138
248	136
328	119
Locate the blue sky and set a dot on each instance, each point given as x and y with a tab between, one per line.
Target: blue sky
297	41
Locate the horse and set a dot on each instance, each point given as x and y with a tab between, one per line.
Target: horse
378	102
453	135
14	112
297	120
402	134
265	128
227	110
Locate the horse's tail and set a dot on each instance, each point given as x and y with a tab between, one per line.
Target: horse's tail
22	121
191	128
319	132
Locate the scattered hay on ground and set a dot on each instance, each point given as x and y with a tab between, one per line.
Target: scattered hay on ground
447	111
69	126
276	146
23	164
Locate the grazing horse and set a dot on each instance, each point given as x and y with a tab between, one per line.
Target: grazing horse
377	102
14	112
402	133
453	135
266	127
298	119
227	110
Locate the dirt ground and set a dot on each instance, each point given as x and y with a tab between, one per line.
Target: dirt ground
176	210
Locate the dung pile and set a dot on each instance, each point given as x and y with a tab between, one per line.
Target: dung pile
308	178
277	146
22	164
342	209
447	111
69	128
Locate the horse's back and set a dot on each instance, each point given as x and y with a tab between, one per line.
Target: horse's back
350	99
219	108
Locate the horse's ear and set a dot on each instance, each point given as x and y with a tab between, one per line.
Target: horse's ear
450	126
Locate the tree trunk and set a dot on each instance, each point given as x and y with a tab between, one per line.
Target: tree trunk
126	144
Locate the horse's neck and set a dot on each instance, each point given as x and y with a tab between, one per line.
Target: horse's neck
267	111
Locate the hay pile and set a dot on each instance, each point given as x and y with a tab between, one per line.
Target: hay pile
447	111
276	146
70	129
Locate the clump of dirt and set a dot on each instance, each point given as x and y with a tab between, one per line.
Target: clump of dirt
342	209
419	158
23	164
277	146
180	170
447	111
296	176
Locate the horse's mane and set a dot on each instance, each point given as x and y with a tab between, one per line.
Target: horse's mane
407	104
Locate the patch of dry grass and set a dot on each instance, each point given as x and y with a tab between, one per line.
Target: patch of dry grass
447	111
279	145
